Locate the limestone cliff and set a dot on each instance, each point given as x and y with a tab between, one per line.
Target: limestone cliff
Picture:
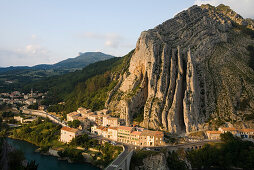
188	70
153	162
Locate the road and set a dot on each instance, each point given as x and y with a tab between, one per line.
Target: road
119	159
128	148
45	115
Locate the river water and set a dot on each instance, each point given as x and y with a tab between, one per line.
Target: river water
46	162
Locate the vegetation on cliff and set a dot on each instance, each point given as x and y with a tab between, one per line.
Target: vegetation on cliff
88	88
233	152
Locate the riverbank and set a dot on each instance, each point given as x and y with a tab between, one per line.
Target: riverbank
46	161
45	134
48	153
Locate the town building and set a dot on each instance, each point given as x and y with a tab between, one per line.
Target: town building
30	101
246	133
110	121
135	137
92	117
104	132
112	133
213	135
67	134
18	119
151	138
123	134
83	111
73	116
103	112
228	129
99	120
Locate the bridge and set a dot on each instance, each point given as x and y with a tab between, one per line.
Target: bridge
185	146
122	162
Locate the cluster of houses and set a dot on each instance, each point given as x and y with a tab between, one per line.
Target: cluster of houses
25	119
17	98
109	127
242	133
130	135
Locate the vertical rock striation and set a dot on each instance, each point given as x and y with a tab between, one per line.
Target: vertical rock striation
177	71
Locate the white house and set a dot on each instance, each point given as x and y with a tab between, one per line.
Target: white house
67	134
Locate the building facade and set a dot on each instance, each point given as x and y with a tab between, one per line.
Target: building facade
67	134
123	134
213	135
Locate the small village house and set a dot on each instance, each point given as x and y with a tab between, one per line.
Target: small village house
112	133
135	137
232	130
213	135
123	134
246	133
67	134
73	116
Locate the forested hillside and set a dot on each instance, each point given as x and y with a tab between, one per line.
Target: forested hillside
14	78
88	87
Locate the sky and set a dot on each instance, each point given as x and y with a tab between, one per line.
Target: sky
48	31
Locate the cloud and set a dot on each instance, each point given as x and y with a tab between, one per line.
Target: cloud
111	40
29	55
243	7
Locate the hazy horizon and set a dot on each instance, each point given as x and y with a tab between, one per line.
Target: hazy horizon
46	32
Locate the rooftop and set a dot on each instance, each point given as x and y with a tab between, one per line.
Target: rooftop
136	133
69	129
73	114
228	129
214	132
114	128
125	128
246	130
82	118
112	118
152	133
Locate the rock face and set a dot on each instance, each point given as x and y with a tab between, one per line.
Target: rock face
157	162
188	69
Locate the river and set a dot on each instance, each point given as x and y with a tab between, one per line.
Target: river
46	162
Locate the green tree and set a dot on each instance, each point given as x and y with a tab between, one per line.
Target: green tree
74	123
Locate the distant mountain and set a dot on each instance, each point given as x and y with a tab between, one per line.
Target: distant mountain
12	78
83	60
78	62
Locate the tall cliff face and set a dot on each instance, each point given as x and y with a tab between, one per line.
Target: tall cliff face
187	70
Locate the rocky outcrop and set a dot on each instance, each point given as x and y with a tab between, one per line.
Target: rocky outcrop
191	99
157	162
187	70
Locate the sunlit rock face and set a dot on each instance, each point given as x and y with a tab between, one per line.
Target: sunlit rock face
186	71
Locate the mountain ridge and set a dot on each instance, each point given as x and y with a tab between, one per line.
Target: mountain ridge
183	72
79	61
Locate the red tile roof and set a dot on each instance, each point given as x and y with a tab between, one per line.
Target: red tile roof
152	133
229	129
69	129
125	128
114	128
246	130
213	132
136	133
